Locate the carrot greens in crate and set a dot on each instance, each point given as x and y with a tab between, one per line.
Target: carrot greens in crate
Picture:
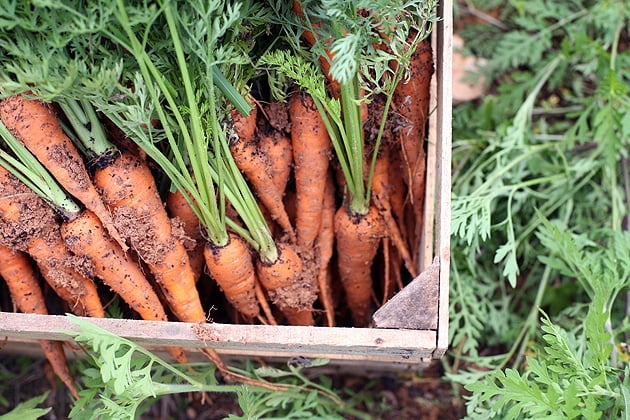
365	59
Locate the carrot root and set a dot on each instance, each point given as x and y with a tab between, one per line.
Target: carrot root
357	238
35	125
129	189
311	156
232	267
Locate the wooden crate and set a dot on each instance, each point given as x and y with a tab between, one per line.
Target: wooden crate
392	348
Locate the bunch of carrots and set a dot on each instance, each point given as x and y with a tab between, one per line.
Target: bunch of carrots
176	158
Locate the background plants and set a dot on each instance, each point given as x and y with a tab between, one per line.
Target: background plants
540	202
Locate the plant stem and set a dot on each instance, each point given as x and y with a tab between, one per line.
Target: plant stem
351	109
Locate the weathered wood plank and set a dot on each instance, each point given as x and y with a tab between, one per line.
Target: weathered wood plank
444	114
415	306
404	346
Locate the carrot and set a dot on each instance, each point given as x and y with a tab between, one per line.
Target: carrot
21	277
397	191
275	141
324	61
277	147
35	125
85	236
192	238
18	272
128	188
325	248
381	197
358	237
54	261
247	156
232	267
262	300
411	103
311	155
29	224
287	289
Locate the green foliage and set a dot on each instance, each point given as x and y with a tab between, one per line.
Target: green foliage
28	409
307	399
122	379
574	370
549	142
120	376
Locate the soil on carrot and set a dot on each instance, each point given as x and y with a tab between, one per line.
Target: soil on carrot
179	232
373	122
277	115
64	157
141	235
34	217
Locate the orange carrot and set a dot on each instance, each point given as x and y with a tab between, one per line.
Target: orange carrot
358	237
192	237
232	267
411	104
248	157
325	248
262	300
21	277
54	261
287	288
18	272
35	125
381	197
29	224
311	156
85	236
277	147
128	188
275	141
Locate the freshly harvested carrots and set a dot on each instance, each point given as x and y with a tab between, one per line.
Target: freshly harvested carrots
179	209
20	275
411	103
21	278
277	147
233	269
311	155
381	197
86	236
358	238
30	225
287	289
36	126
325	246
248	158
129	189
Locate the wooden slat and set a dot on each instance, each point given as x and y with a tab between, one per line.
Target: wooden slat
444	97
404	346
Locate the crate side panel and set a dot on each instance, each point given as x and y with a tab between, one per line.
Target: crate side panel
444	97
248	340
